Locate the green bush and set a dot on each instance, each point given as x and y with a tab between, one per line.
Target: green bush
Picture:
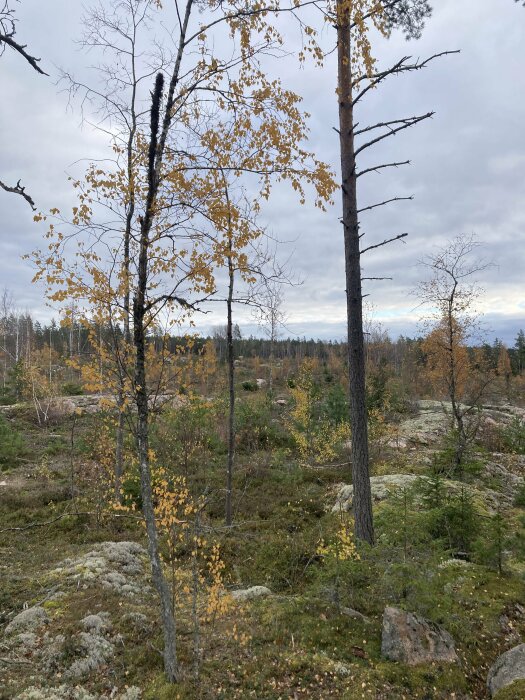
250	385
7	398
11	444
335	407
456	523
513	436
255	427
519	498
72	389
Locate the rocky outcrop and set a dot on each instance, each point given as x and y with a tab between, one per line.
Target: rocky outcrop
245	594
412	640
382	487
118	566
509	667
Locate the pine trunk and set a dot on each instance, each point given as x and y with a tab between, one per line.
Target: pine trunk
364	528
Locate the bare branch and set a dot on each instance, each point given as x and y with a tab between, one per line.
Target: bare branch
18	189
377	168
411	121
400	67
387	240
21	48
382	204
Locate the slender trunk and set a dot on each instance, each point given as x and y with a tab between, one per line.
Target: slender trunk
141	399
231	390
130	213
457	413
364	528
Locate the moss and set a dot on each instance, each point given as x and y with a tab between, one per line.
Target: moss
514	691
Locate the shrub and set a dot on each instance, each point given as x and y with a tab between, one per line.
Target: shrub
72	389
255	428
11	443
513	436
250	385
456	523
519	498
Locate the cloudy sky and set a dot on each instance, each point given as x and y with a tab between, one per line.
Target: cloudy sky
467	170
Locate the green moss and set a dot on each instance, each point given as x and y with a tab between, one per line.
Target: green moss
514	691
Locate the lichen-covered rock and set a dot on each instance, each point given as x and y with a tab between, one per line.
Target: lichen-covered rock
61	692
411	639
117	566
27	621
250	593
132	693
509	667
382	487
66	692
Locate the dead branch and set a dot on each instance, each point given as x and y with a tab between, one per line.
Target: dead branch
387	201
21	49
387	240
377	168
406	123
18	189
400	67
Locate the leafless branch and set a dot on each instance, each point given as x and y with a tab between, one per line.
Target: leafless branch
400	67
387	240
18	189
377	168
382	204
406	123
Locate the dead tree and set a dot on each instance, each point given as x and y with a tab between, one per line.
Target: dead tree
8	41
352	89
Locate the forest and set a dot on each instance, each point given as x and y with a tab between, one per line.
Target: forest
196	501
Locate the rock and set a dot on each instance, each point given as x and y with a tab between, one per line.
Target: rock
112	565
249	593
382	486
27	640
261	383
397	443
411	639
509	667
280	402
61	692
509	483
27	621
66	692
355	614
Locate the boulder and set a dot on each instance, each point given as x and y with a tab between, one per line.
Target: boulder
509	667
411	639
249	593
381	487
261	383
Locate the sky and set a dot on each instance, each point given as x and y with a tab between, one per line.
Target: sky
467	172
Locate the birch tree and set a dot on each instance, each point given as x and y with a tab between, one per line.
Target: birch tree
211	113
